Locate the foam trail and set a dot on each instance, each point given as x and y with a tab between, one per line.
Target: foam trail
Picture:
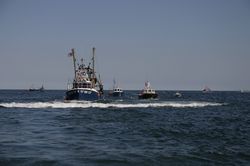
56	104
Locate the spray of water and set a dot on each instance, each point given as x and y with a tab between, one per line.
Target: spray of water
61	104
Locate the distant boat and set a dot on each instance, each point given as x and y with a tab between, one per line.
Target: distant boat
86	86
206	90
148	92
37	89
244	91
117	91
177	94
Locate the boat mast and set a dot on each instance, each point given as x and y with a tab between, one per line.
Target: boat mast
74	60
93	67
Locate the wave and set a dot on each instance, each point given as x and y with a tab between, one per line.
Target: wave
58	104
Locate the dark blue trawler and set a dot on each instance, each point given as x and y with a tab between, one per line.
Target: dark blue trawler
86	86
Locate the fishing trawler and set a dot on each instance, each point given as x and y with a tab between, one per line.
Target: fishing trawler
86	86
148	92
41	89
117	91
206	90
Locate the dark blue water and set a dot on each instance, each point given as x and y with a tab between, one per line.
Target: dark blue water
38	128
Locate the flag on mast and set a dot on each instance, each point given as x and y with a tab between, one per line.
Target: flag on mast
70	54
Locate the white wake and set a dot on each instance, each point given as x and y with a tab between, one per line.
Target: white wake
58	104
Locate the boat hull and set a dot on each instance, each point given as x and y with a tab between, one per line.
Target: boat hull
36	90
85	94
148	96
117	94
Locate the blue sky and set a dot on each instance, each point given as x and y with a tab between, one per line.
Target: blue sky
175	44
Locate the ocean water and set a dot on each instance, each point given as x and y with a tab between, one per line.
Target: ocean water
39	128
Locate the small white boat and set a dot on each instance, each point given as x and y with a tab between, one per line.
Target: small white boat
206	90
117	91
244	91
148	92
177	94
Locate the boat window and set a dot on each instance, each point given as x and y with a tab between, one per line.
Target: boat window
75	85
87	85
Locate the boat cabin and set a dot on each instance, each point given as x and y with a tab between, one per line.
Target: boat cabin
117	90
148	91
82	85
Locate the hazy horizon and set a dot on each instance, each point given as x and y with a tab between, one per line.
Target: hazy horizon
175	44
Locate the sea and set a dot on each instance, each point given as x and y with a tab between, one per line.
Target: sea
40	128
